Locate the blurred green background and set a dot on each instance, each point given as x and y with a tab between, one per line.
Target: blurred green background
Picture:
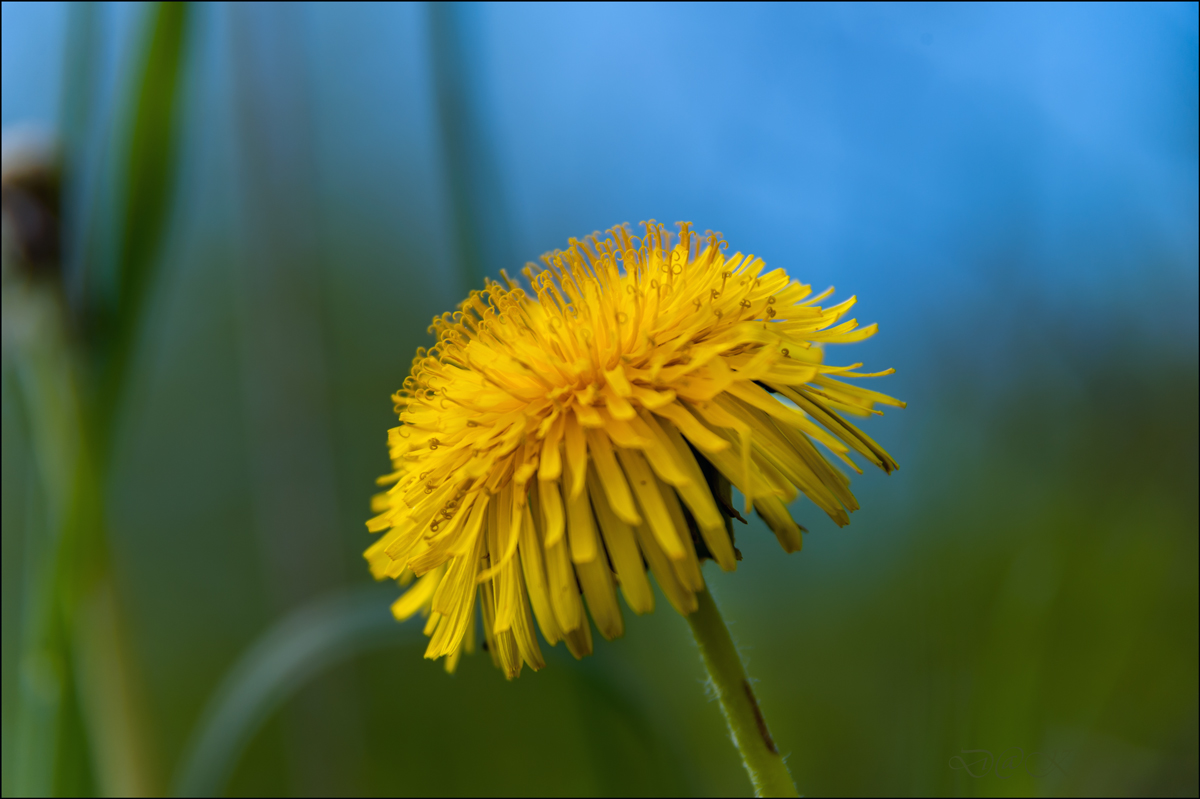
249	213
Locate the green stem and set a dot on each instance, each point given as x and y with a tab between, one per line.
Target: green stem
761	758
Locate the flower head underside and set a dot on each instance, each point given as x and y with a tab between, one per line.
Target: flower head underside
563	439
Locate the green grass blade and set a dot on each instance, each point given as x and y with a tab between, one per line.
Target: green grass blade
144	194
301	646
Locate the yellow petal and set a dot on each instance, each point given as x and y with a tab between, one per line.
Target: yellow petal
417	597
612	477
658	519
623	549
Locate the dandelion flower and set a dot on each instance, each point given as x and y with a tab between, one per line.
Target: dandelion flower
564	438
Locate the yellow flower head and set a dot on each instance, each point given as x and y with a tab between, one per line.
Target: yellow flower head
563	442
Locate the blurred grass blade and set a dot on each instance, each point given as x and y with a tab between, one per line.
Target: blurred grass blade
480	222
78	676
116	720
36	350
303	644
36	746
79	109
80	76
280	272
151	151
148	183
106	669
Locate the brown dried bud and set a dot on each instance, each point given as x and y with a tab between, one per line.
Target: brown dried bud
30	196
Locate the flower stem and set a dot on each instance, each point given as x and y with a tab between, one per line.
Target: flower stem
761	758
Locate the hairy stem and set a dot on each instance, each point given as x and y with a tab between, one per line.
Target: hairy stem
760	756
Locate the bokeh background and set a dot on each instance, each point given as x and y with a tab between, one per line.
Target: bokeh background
260	207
